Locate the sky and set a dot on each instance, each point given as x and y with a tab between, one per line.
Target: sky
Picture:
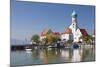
29	18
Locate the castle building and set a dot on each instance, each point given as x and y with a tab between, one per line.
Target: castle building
44	33
73	32
47	31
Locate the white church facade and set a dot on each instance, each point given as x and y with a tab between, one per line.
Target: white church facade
73	32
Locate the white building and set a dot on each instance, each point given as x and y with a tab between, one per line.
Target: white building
73	32
67	35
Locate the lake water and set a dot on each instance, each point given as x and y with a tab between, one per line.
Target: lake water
54	55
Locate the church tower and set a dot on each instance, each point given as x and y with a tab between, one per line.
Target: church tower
74	25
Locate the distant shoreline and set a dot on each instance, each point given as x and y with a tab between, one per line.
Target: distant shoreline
31	46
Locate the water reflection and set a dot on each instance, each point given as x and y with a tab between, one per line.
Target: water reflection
54	55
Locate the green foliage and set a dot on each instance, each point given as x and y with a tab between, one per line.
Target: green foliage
35	38
45	41
50	38
87	39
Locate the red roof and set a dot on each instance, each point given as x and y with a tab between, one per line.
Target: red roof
84	32
56	33
67	31
44	32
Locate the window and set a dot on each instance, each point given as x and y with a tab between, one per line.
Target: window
73	25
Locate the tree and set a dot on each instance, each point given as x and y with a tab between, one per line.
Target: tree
44	41
87	39
35	38
50	39
56	38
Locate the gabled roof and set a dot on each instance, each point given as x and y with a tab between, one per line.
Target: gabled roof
45	32
56	33
84	32
67	31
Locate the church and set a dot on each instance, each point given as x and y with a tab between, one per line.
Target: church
73	32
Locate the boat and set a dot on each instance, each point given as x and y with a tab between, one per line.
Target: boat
75	46
28	49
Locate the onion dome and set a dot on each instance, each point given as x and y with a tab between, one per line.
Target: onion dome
74	14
